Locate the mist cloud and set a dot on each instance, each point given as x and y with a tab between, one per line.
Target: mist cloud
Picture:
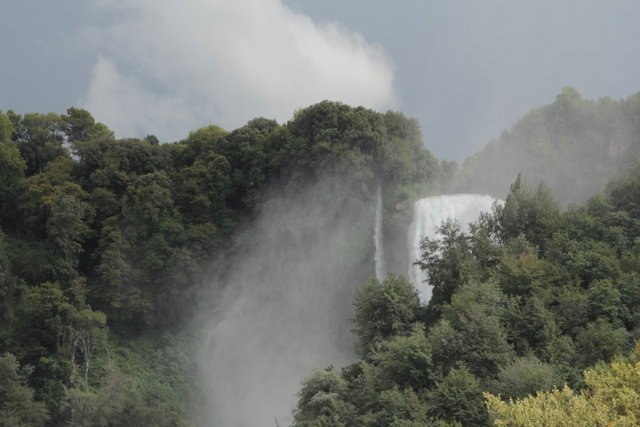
282	307
166	69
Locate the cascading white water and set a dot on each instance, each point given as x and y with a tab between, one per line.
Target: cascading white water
379	242
428	215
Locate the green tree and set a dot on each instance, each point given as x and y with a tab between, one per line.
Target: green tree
12	167
449	262
572	310
322	401
40	193
403	159
530	325
68	226
458	398
398	408
39	138
624	191
135	251
600	341
17	407
383	309
605	301
533	214
8	285
201	190
83	336
405	361
42	312
6	127
200	142
79	125
523	274
112	269
524	376
474	313
447	347
115	164
121	399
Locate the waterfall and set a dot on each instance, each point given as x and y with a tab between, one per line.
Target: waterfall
377	235
428	215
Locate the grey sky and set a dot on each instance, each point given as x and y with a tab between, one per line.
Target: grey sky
465	69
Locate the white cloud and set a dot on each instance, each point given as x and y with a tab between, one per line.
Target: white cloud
168	67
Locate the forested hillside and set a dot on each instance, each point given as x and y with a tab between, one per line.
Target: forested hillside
524	303
106	243
574	145
108	247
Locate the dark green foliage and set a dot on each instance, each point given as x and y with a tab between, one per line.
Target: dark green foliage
8	287
42	313
522	303
17	407
202	188
529	323
144	383
624	191
629	286
106	238
458	398
522	274
532	214
79	125
59	337
485	344
322	401
447	347
449	261
405	361
105	241
39	138
398	409
572	310
475	312
600	340
384	309
605	302
525	376
12	167
67	227
335	138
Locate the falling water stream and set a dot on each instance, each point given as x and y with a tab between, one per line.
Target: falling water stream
379	242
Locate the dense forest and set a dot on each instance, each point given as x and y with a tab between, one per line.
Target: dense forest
107	247
106	243
525	302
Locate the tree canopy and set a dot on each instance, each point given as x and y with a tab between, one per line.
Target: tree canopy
523	303
105	243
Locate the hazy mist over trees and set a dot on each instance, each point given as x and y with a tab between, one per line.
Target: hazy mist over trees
574	145
200	281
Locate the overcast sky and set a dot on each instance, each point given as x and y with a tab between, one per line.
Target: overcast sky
465	69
